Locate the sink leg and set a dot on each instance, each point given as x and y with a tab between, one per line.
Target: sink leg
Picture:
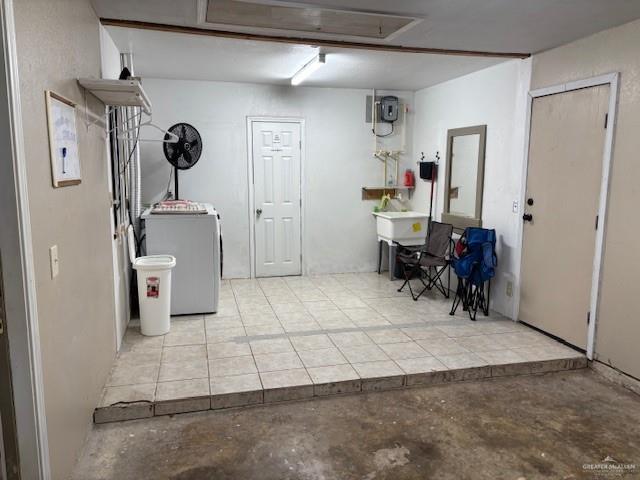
379	257
392	262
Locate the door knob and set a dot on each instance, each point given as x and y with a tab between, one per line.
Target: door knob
527	217
258	212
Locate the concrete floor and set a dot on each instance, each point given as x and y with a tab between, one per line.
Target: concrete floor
542	426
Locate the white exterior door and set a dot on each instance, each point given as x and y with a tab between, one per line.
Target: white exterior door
566	146
277	201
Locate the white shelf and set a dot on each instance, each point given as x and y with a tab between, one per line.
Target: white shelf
118	93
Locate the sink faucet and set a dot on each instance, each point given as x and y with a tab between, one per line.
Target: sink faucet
384	201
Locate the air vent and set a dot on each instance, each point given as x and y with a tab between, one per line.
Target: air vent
299	18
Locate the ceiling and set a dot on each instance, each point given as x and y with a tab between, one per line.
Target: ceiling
195	57
527	26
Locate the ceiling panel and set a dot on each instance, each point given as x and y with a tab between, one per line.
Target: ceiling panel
303	19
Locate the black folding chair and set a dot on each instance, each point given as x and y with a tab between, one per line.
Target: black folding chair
429	261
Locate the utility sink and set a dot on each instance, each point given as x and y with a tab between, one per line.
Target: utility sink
407	228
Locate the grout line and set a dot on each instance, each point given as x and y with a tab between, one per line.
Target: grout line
206	350
155	390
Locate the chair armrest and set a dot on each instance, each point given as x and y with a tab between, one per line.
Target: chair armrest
409	251
410	248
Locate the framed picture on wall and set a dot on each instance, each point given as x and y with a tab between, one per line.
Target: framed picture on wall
63	140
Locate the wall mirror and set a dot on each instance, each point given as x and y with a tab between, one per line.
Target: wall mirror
464	177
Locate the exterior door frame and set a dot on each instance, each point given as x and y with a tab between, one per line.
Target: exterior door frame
251	187
611	79
19	275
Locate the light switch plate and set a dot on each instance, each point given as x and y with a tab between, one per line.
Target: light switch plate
53	257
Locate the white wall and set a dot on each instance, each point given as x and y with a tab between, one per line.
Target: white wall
613	50
339	231
496	97
109	56
58	42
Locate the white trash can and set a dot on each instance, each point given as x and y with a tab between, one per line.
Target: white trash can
154	292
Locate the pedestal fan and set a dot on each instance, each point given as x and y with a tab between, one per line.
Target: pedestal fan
184	153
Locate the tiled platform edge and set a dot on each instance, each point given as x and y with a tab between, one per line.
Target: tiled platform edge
295	391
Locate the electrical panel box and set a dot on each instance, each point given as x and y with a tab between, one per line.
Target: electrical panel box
389	106
378	108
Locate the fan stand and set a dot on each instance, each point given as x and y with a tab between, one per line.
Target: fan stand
175	183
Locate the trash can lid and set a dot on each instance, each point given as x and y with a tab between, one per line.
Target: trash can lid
154	262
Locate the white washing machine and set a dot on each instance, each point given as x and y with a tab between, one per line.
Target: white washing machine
195	240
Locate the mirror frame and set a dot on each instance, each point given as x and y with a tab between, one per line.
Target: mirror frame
459	222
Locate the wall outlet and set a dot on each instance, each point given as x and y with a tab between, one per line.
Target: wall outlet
509	289
514	207
53	258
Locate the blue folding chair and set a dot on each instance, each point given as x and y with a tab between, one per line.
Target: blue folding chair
475	267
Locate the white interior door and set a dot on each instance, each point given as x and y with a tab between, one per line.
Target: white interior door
119	247
276	213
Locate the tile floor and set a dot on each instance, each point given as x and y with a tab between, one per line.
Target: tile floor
289	338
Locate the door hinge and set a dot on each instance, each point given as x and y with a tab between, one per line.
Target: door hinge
588	318
606	120
597	220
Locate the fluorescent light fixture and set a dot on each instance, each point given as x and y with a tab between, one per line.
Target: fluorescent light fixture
313	65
